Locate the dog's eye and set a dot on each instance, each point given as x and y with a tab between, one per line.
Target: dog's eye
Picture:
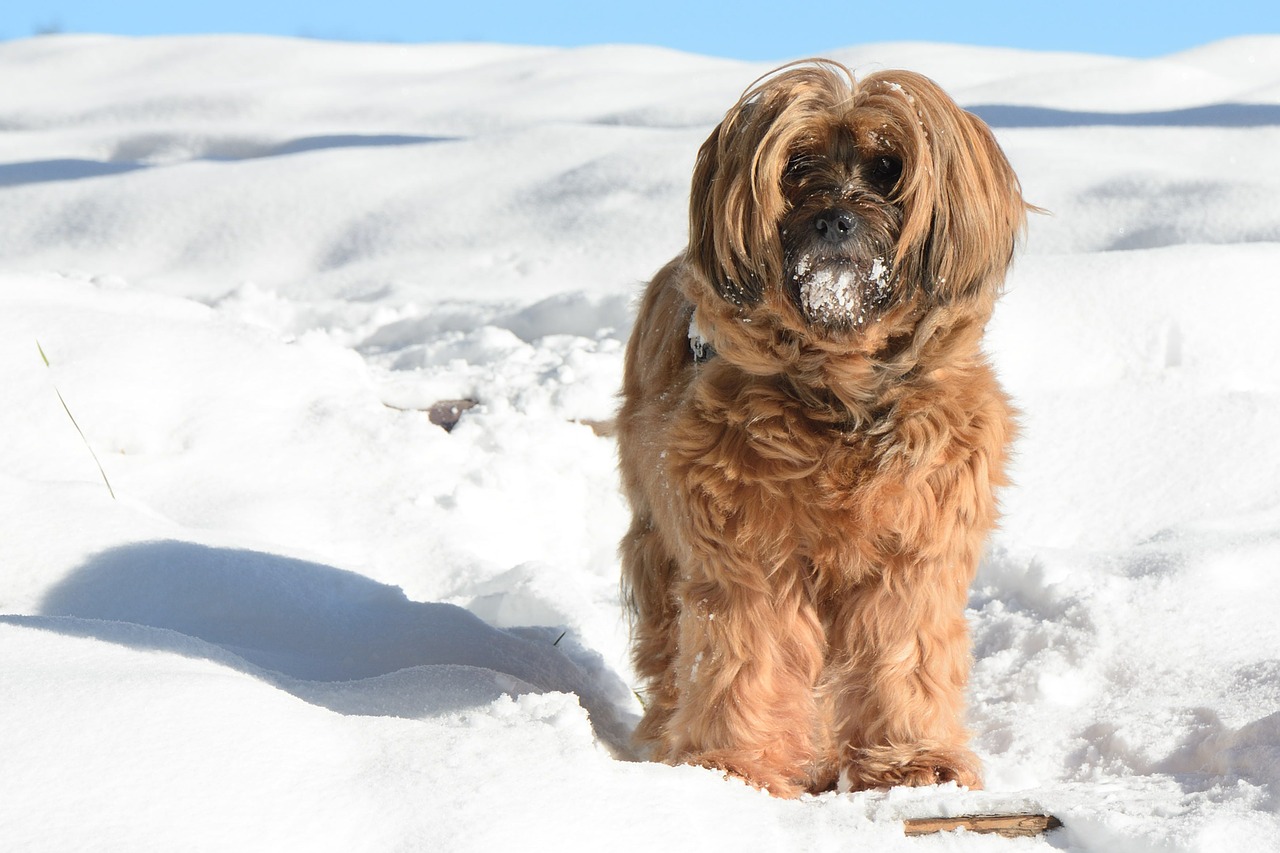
885	171
796	164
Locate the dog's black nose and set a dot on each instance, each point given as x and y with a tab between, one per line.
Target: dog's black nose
834	225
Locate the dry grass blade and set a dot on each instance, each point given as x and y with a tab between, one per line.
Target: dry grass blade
83	437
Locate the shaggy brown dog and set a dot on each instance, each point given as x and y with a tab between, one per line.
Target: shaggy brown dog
810	436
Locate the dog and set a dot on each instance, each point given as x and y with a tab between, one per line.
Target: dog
810	437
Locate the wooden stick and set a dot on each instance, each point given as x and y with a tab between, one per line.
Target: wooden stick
1007	825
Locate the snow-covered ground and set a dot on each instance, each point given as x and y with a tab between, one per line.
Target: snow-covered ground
314	620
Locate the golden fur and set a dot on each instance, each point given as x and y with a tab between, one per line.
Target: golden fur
810	502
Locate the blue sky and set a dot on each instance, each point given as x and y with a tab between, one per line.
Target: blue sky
747	29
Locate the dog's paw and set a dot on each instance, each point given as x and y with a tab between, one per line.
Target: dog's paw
888	767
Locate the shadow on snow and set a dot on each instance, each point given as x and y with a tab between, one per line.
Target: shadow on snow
330	637
1211	115
218	151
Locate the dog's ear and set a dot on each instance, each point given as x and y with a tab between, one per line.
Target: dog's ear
962	204
978	215
736	200
720	213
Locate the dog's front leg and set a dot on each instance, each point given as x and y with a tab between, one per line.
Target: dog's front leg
750	652
902	658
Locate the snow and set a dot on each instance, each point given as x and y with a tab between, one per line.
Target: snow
840	290
315	620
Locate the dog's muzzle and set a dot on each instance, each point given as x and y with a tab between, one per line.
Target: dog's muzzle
840	279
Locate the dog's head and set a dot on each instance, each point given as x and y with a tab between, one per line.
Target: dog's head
830	201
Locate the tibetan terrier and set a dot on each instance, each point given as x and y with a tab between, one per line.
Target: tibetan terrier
810	437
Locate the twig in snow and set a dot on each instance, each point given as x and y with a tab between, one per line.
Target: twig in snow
1009	825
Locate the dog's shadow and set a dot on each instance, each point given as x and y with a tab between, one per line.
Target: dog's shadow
330	637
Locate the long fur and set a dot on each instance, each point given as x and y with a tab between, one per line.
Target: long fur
810	503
